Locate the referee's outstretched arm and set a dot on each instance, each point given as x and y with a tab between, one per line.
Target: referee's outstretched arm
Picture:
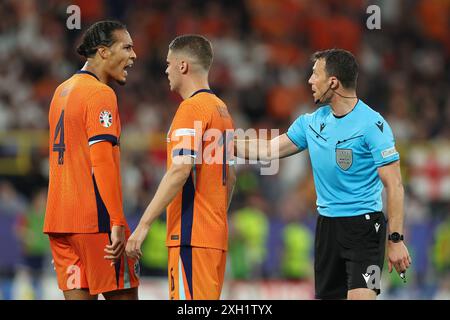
397	253
265	150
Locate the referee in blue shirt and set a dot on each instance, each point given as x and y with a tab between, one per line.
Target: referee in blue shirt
353	155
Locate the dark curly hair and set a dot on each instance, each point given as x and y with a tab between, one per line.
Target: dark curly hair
99	34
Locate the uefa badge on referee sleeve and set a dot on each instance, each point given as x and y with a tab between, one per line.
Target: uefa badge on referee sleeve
105	118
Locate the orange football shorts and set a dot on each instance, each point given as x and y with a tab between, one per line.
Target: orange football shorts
196	273
80	264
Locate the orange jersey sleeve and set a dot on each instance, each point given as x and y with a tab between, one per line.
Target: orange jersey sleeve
103	124
102	117
102	158
187	130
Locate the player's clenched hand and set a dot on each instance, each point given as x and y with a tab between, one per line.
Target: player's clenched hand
398	256
134	243
115	250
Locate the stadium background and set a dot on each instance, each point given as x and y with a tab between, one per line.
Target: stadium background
261	67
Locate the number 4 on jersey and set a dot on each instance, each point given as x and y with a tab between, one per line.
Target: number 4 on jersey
60	147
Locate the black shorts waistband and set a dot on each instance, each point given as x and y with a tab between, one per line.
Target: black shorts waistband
359	216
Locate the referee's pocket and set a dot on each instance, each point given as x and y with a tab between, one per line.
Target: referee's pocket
364	231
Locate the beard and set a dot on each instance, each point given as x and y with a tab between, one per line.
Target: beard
325	98
121	82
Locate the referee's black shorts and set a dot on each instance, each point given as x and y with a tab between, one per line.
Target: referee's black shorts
345	248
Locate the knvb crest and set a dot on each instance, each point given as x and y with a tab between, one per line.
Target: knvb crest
344	158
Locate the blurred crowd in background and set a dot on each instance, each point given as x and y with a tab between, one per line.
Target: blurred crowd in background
262	52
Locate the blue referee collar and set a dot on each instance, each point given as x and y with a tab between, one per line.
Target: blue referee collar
344	115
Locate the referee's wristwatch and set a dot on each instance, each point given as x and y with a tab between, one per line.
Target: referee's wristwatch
395	237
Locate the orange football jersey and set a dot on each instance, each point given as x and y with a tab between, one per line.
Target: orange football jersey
83	112
202	128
